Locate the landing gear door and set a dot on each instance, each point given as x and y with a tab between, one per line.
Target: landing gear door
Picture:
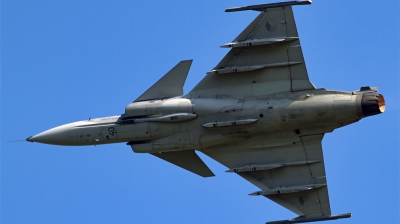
109	133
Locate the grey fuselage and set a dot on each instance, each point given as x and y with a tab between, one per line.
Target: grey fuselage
183	123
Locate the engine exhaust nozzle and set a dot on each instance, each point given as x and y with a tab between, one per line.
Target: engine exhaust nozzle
372	104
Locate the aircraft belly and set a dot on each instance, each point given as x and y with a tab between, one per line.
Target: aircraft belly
154	130
131	132
267	115
109	133
298	113
347	108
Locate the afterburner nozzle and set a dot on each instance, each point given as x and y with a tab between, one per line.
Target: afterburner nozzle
372	104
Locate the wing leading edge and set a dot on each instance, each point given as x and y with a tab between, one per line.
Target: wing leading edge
266	58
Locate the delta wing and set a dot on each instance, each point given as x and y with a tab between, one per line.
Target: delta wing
288	171
266	58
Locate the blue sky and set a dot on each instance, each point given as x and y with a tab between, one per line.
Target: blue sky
63	61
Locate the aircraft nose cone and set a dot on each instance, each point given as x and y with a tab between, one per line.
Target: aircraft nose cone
54	136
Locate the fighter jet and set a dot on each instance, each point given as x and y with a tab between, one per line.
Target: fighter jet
256	112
